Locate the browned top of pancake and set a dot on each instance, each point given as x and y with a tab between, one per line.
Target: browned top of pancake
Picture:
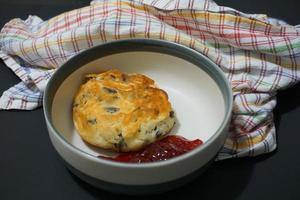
114	102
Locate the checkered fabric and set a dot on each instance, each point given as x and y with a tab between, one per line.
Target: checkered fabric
257	54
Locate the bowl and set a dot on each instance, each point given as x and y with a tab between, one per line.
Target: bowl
198	91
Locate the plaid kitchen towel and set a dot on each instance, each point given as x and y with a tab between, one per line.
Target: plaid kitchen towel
258	55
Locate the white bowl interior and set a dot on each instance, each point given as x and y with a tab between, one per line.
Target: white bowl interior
196	99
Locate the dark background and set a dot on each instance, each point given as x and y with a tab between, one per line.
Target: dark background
31	169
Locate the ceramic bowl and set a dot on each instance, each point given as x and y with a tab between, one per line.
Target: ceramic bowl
197	89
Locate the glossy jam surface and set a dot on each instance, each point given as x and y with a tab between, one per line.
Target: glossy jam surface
166	148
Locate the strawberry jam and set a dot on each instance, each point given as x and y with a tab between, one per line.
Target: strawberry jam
166	148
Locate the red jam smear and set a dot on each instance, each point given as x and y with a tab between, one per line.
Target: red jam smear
166	148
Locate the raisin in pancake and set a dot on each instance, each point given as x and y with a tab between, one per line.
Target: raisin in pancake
122	112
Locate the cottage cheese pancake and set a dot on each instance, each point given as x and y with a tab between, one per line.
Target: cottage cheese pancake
122	112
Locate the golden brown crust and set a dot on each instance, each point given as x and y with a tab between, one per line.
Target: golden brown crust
119	111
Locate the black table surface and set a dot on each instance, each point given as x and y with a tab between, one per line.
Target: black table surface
31	169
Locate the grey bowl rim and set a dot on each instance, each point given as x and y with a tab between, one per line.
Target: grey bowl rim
47	103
